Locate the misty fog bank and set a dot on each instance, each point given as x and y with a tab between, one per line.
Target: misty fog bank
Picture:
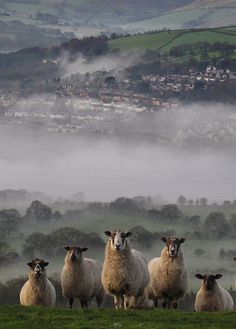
105	170
191	152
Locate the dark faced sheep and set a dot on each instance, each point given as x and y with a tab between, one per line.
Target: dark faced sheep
38	290
81	277
125	273
168	273
212	296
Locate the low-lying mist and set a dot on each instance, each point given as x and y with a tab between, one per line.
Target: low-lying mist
198	160
109	62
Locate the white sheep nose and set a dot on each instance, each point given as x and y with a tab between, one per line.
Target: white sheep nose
37	268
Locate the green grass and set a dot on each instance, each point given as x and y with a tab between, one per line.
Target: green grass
16	317
165	40
177	19
172	20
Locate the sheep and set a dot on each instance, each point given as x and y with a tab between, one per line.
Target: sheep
125	272
81	278
212	296
169	275
38	290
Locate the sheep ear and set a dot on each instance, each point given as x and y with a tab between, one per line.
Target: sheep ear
83	249
30	264
108	233
67	248
164	239
127	234
182	240
45	264
199	276
218	276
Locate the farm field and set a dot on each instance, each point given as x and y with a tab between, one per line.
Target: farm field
165	40
178	19
41	318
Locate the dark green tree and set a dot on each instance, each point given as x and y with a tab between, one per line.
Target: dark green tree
39	212
171	212
216	225
9	221
181	200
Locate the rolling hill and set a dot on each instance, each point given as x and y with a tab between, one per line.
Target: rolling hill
197	14
90	11
165	40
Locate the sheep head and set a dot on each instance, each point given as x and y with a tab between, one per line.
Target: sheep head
38	266
118	239
74	254
209	280
173	245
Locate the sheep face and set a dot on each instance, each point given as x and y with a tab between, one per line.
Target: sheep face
38	266
173	245
74	254
118	239
209	280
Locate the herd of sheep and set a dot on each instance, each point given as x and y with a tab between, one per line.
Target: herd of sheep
127	276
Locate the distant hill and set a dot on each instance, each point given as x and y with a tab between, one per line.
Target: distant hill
197	14
90	17
90	12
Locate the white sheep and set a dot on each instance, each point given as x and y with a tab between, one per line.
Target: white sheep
212	296
81	278
38	290
125	273
168	273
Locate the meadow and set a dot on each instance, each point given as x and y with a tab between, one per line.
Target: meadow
12	317
163	41
177	19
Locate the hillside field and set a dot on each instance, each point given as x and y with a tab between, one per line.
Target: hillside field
199	16
13	317
163	41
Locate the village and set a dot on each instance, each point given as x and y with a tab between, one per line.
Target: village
102	104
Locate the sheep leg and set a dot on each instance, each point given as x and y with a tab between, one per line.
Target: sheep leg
118	302
71	300
100	299
84	304
127	303
164	305
175	305
155	300
169	304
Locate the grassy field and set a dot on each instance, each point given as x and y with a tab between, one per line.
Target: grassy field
173	20
165	40
16	317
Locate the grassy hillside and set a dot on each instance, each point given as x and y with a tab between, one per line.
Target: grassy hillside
165	40
94	10
13	317
196	14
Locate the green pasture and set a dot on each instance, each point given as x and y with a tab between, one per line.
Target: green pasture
12	317
177	19
165	40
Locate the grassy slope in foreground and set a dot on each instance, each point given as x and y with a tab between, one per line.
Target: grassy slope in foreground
165	40
12	317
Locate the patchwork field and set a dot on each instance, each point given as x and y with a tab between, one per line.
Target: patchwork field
165	40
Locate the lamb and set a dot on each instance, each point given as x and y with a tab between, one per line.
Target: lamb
168	273
125	272
38	290
212	296
81	278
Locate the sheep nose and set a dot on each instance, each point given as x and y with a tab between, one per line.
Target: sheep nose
117	246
